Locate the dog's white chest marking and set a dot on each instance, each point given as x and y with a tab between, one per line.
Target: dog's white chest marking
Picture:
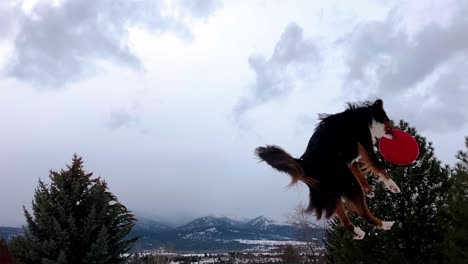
377	130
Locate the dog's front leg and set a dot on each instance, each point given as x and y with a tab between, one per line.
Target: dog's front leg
373	164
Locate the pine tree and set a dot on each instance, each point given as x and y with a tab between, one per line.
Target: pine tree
455	216
75	219
415	236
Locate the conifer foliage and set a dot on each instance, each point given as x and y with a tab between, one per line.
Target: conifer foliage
75	219
455	216
416	234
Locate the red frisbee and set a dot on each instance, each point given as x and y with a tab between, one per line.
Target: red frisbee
401	150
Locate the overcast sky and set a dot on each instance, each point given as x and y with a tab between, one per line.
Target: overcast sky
167	99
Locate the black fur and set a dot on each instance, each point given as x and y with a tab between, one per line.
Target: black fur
332	147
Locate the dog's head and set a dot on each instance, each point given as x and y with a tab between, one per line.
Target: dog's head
381	125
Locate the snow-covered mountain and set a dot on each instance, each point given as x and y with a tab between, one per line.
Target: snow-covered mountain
208	221
261	223
148	224
219	233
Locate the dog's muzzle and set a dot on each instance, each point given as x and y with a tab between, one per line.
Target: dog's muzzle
389	129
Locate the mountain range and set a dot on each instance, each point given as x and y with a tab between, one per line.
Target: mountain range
216	234
206	234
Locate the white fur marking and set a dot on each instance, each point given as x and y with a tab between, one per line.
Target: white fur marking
390	184
377	129
359	234
386	225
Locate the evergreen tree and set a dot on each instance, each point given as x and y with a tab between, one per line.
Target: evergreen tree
415	235
75	219
455	215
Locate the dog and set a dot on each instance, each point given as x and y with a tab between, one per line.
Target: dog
330	164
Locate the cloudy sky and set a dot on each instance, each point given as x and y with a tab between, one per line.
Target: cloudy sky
167	99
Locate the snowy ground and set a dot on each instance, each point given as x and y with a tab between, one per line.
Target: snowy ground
265	251
269	242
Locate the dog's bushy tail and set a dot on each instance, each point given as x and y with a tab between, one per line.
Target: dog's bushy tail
284	162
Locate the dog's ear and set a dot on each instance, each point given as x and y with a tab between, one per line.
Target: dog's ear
378	103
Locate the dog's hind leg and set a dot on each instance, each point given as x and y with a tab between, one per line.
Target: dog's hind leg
356	170
346	222
356	200
380	173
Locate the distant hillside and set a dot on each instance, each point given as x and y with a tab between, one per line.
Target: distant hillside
208	234
216	234
9	232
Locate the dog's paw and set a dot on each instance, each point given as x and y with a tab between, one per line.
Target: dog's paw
391	185
358	233
386	225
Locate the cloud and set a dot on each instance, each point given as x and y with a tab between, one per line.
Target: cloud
423	68
200	8
55	44
442	106
303	122
8	18
122	118
275	76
